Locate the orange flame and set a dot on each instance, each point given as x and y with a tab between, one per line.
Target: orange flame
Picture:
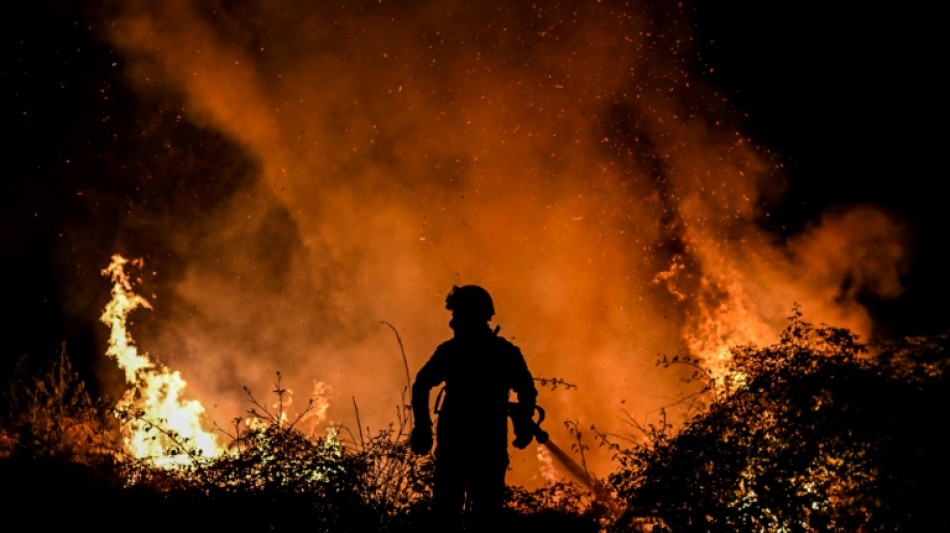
164	423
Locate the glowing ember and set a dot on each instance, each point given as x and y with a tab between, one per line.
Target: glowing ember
165	427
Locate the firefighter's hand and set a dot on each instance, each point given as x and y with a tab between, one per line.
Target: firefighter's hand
524	434
522	441
523	424
420	440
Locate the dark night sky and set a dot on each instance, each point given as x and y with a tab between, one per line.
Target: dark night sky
849	96
846	96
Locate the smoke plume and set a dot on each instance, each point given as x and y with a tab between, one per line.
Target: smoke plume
569	158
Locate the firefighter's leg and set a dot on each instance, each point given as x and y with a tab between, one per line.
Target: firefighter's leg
448	493
488	493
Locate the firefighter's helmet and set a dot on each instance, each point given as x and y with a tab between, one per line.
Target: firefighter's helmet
470	300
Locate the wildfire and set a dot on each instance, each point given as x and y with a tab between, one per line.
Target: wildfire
164	427
559	159
719	326
724	316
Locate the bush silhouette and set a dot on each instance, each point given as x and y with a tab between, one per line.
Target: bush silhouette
813	434
817	432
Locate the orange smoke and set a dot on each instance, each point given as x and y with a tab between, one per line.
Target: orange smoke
563	157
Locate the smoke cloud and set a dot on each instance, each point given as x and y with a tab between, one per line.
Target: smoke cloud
568	158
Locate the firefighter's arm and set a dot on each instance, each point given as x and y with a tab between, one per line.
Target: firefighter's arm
523	385
420	440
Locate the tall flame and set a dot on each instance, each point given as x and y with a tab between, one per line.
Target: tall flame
164	426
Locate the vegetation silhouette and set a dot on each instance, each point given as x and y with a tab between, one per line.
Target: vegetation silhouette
818	432
810	434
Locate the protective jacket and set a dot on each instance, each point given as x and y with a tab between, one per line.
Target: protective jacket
479	370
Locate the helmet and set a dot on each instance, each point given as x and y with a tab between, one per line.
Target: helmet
470	300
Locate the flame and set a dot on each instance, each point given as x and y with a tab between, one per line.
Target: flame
320	403
164	426
724	316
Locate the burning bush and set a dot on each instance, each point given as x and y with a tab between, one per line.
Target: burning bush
810	434
59	443
277	477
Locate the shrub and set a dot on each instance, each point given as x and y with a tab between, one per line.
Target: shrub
817	435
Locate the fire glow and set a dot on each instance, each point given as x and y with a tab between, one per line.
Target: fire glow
565	157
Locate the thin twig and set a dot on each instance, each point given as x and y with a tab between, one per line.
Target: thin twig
359	424
402	350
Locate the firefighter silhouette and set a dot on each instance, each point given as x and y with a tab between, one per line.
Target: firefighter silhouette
479	369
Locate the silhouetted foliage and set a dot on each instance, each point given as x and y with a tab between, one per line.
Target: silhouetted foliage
49	414
58	443
814	434
559	506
